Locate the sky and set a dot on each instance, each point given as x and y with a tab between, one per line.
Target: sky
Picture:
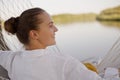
16	7
75	6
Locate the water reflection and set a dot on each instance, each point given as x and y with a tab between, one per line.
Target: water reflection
111	23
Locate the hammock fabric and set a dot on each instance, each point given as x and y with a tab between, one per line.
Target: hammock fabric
3	46
10	8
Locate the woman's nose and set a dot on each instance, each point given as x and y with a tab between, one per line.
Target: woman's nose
55	29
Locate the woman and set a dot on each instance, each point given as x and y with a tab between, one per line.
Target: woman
36	30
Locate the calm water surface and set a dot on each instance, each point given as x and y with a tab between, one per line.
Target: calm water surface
85	40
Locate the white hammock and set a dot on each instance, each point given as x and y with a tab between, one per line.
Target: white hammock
112	59
10	8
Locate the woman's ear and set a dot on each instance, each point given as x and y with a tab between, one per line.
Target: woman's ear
33	35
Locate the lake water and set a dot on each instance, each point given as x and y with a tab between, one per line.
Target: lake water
85	40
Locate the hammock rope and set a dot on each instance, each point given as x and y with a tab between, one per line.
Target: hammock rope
112	59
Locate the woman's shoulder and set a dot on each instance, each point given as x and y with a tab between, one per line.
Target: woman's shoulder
60	56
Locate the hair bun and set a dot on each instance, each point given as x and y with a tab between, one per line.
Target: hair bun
11	25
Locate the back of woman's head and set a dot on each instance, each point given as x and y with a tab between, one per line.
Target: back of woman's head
22	25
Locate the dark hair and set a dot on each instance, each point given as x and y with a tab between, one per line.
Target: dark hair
22	25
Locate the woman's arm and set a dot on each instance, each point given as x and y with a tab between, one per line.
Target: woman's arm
5	58
74	70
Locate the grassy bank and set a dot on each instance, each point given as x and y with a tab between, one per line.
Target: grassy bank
110	14
70	18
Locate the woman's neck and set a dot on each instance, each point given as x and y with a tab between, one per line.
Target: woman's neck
34	46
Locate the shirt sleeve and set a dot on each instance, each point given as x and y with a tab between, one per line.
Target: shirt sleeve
75	70
5	58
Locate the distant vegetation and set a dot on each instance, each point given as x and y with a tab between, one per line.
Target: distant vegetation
111	14
110	17
69	18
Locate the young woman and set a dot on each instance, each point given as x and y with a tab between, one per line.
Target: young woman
36	30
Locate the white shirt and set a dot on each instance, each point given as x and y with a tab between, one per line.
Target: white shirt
43	64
